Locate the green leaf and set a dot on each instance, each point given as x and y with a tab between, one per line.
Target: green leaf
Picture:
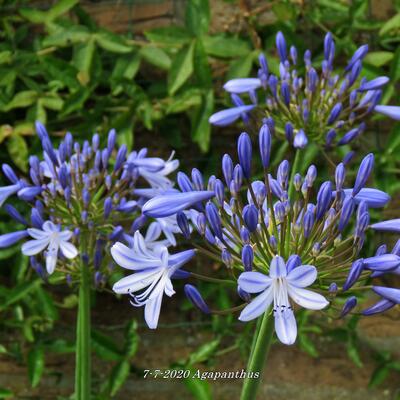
201	128
113	43
307	345
83	58
169	35
395	66
188	99
60	346
124	124
105	347
33	15
241	67
156	56
18	151
203	353
200	389
60	8
181	68
353	353
75	101
22	99
52	102
62	37
5	57
378	58
19	292
378	376
224	47
5	393
119	374
201	66
132	340
392	24
47	304
35	365
197	18
126	67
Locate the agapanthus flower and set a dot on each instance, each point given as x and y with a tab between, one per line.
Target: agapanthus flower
84	196
154	268
281	236
322	105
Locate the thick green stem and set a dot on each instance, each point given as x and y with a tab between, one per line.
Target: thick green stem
258	354
83	354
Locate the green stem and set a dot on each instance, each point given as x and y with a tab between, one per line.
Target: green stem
295	167
258	354
83	362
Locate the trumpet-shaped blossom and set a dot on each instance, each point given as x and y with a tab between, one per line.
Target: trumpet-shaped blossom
53	239
322	106
153	270
278	288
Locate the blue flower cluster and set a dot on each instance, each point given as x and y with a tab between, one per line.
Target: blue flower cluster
86	197
323	106
281	234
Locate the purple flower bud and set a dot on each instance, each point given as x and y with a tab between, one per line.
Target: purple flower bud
275	187
328	43
219	190
340	175
379	307
354	73
184	182
250	216
9	173
107	207
273	243
245	235
242	85
116	233
359	54
293	54
307	58
14	214
195	298
238	177
392	225
382	249
363	173
347	211
247	257
121	155
281	46
112	135
183	224
36	218
391	294
211	183
385	262
214	219
376	83
105	155
95	142
293	262
312	79
8	239
349	136
197	179
324	197
333	288
297	181
311	175
29	193
308	223
244	152
300	140
289	132
285	93
273	84
362	225
335	112
265	145
138	223
227	168
354	273
396	248
243	295
226	117
350	303
227	258
201	223
282	174
348	157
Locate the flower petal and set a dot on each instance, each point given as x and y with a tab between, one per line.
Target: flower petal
33	247
257	306
254	282
306	298
285	325
302	276
152	311
226	117
38	233
129	259
277	268
68	249
51	261
136	281
242	85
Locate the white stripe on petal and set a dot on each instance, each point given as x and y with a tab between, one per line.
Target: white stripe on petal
138	281
33	247
285	325
65	235
254	282
302	276
129	259
68	249
306	298
38	234
152	311
51	261
258	305
277	267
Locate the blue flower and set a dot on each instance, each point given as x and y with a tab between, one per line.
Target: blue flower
278	288
152	278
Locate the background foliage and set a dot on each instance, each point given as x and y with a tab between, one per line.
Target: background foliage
58	66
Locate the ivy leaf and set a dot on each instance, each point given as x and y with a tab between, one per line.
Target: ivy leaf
181	68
